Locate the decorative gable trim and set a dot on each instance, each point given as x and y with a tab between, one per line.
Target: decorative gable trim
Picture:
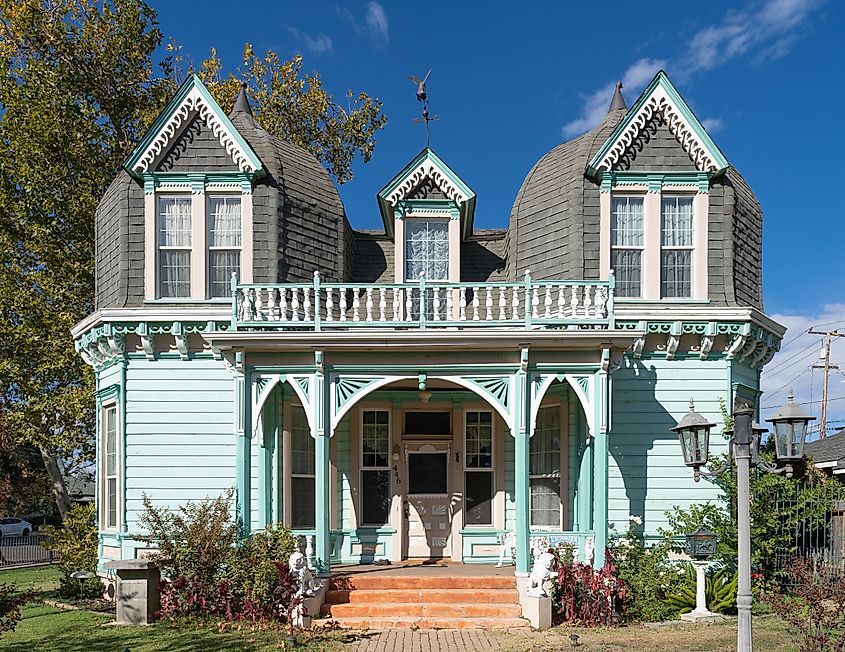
193	98
426	166
659	99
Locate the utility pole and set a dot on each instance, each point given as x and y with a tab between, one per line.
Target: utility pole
828	336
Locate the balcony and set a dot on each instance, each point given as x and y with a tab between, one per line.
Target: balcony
526	304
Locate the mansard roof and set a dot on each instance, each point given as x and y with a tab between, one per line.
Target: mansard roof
660	98
426	167
192	101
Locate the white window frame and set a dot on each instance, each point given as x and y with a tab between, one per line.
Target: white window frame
200	277
105	525
477	469
560	476
640	248
652	227
292	474
209	248
364	467
691	247
160	199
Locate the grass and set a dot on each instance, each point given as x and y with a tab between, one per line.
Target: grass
41	579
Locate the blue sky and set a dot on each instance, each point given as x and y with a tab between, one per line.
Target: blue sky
510	82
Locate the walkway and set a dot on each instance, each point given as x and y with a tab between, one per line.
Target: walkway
434	640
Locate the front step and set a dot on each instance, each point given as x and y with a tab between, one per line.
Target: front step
385	601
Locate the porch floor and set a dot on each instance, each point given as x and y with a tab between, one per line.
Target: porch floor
422	568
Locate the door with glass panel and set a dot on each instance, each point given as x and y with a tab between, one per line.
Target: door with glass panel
427	253
428	501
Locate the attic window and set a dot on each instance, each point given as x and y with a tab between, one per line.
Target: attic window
627	242
174	247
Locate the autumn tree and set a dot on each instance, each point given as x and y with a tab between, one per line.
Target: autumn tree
79	89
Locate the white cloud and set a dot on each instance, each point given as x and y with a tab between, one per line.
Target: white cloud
595	104
320	44
791	365
375	26
712	125
765	32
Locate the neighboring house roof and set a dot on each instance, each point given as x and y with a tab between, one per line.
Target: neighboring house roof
829	451
80	488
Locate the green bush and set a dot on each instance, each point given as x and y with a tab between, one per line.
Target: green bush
720	588
254	570
76	543
196	540
649	574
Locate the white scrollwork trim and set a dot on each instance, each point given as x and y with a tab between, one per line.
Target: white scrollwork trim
194	103
428	169
631	139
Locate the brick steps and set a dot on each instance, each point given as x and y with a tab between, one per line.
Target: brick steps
404	596
384	601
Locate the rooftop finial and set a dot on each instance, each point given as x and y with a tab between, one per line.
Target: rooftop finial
618	102
242	102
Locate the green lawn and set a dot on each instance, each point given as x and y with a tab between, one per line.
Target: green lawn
42	579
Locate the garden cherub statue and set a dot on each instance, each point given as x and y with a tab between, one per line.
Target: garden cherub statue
543	569
298	565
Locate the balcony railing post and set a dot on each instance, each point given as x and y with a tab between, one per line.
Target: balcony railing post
527	299
611	291
422	301
234	286
316	300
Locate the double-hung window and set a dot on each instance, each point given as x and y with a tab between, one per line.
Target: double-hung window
626	245
427	252
676	240
544	469
302	470
109	468
375	473
478	471
224	243
174	247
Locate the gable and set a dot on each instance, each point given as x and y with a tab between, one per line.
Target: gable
427	189
192	104
196	149
656	148
659	105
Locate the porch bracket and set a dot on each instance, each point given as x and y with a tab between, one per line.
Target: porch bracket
347	390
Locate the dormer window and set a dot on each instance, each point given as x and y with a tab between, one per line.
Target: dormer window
676	228
427	249
627	243
174	247
224	243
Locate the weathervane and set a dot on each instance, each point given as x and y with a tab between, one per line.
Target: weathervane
422	96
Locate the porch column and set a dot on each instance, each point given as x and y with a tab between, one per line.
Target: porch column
321	424
600	462
243	436
521	457
266	453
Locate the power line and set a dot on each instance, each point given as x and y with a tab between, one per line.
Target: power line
830	400
780	365
791	381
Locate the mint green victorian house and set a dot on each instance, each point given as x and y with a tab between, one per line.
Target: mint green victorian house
416	391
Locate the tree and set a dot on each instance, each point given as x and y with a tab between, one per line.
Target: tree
79	91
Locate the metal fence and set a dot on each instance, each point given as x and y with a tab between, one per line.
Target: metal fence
812	527
25	551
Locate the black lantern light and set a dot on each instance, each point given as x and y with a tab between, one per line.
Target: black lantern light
701	544
694	434
790	425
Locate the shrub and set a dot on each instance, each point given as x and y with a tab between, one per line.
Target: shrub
649	575
194	541
590	597
11	601
720	588
255	567
76	543
816	611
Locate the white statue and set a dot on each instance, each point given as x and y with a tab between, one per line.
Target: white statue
542	571
298	565
507	548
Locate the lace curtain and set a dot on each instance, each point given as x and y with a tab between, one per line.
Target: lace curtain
677	238
626	222
224	242
677	221
175	246
426	249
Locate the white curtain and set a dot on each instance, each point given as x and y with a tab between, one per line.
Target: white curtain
224	222
175	222
626	222
677	221
426	249
544	468
174	246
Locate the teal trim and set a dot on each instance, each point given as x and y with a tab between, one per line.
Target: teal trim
656	181
321	424
387	211
223	301
522	491
266	454
660	302
600	473
661	80
191	83
243	451
585	476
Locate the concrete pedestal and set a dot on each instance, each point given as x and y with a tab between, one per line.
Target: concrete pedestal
537	611
700	614
137	598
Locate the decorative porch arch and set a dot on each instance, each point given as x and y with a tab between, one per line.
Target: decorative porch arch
583	384
303	386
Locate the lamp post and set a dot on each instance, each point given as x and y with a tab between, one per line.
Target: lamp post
790	425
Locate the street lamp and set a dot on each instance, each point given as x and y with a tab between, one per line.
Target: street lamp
790	424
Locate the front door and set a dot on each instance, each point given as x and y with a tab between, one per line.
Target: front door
428	508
